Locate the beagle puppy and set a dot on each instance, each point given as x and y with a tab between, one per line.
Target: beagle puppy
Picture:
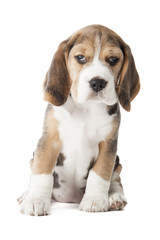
76	157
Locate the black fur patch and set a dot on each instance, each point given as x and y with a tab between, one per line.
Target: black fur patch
57	94
60	160
116	162
112	146
112	109
56	180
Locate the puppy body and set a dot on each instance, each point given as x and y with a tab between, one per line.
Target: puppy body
81	128
90	74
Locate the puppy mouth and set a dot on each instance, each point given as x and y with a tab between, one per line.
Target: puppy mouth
91	96
96	95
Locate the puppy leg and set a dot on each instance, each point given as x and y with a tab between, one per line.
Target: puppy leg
37	200
117	200
95	198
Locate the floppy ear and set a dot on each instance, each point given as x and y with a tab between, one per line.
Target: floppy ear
57	82
129	84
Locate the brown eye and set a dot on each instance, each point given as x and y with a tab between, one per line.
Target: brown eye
81	59
112	60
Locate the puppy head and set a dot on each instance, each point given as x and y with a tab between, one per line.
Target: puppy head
94	64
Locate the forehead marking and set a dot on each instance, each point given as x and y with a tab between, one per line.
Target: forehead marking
97	46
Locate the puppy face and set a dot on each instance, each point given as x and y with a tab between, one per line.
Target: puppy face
94	66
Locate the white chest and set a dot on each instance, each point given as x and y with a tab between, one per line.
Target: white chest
81	129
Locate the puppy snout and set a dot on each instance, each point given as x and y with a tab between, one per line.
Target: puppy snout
97	84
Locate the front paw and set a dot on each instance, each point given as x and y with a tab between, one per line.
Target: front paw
98	203
35	207
37	200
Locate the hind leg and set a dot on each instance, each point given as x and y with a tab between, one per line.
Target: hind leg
117	200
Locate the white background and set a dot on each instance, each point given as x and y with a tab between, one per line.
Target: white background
30	32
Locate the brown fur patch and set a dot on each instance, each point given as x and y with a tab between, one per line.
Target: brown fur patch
107	152
86	49
49	145
57	82
129	84
109	50
118	169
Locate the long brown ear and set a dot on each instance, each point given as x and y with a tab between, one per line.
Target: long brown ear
57	82
129	84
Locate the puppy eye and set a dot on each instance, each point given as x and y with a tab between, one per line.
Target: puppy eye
81	59
112	60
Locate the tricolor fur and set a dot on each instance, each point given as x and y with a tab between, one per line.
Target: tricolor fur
76	158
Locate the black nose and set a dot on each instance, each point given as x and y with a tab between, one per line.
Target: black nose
97	84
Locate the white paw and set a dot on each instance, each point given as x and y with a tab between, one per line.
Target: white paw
117	201
35	207
37	200
94	203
